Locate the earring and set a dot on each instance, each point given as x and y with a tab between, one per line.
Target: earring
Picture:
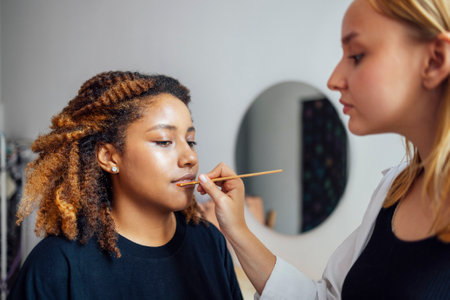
114	169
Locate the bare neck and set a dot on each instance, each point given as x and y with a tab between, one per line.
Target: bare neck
423	129
143	226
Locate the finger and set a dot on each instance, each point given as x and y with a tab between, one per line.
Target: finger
202	191
221	170
211	189
214	173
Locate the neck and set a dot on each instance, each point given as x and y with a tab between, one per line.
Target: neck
147	227
423	130
424	145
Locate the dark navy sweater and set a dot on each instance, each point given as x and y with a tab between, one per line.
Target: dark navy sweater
195	264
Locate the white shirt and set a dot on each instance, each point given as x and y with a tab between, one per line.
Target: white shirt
286	282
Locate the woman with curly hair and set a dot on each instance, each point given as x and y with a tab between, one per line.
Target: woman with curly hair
116	223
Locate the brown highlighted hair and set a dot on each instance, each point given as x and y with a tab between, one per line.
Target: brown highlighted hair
429	18
65	182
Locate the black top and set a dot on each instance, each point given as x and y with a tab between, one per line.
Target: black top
195	264
389	268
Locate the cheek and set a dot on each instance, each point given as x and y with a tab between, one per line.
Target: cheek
161	164
372	84
149	163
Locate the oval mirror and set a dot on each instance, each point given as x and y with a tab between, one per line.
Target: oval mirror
294	127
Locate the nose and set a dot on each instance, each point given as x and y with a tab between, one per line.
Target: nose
187	156
337	80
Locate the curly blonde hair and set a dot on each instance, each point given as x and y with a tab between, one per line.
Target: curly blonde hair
65	182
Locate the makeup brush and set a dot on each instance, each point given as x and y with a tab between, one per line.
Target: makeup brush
232	177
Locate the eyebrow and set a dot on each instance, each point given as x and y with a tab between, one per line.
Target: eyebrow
169	127
346	39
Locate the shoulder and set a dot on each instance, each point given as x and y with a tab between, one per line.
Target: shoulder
51	247
51	252
55	265
55	246
55	254
45	270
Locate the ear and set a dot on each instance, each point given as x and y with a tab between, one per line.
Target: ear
437	67
108	158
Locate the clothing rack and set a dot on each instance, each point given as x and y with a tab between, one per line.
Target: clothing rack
4	232
14	156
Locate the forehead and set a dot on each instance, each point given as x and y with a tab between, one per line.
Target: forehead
165	107
373	28
360	16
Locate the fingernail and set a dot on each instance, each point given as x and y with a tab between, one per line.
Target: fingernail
202	178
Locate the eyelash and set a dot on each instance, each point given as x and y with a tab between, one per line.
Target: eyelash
163	143
356	58
192	144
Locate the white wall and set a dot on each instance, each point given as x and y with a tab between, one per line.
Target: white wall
227	52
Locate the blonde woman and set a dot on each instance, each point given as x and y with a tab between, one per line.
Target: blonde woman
393	77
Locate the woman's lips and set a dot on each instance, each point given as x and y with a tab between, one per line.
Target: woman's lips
185	178
347	107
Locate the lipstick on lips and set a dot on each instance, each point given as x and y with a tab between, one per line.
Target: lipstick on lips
184	179
233	177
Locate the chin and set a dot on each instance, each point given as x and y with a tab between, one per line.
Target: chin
357	130
182	203
358	133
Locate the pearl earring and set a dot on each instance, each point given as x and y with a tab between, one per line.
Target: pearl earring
114	169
